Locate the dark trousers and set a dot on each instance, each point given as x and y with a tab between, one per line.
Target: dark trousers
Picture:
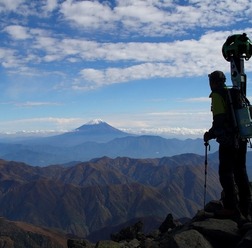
233	177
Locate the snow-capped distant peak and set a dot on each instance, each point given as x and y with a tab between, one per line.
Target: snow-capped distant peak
95	122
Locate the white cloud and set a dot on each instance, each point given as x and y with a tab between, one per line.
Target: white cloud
89	14
180	123
51	5
18	32
155	17
170	132
197	99
37	104
142	60
96	78
42	124
163	60
10	5
9	58
176	59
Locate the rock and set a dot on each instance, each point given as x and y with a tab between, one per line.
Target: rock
132	244
79	243
169	223
128	233
149	243
186	239
245	228
246	241
108	244
223	233
213	206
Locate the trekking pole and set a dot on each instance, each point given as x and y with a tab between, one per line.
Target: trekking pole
205	185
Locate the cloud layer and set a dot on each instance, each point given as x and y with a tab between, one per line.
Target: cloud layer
127	58
74	46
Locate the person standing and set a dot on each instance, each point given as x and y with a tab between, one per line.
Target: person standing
232	151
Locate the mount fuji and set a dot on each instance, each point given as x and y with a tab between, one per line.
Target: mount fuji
93	131
99	131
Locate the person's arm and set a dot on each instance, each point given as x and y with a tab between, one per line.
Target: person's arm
218	109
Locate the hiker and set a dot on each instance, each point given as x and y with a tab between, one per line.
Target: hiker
232	151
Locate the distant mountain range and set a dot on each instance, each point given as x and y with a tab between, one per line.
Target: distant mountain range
104	193
95	180
92	140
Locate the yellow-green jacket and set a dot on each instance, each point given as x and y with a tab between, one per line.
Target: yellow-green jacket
222	126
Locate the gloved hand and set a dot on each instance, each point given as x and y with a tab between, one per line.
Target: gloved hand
207	136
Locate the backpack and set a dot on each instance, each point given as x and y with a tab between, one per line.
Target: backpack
241	112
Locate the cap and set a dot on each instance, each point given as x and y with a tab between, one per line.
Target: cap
217	76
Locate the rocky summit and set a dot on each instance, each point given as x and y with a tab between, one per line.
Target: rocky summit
202	231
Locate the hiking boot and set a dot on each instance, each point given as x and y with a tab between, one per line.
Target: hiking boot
244	221
244	227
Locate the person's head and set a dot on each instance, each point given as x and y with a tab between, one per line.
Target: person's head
217	80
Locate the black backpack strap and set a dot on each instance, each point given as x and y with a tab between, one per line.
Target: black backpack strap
231	106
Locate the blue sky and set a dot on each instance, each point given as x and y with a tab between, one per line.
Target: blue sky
139	65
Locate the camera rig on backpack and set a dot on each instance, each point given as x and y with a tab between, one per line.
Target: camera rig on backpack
237	48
